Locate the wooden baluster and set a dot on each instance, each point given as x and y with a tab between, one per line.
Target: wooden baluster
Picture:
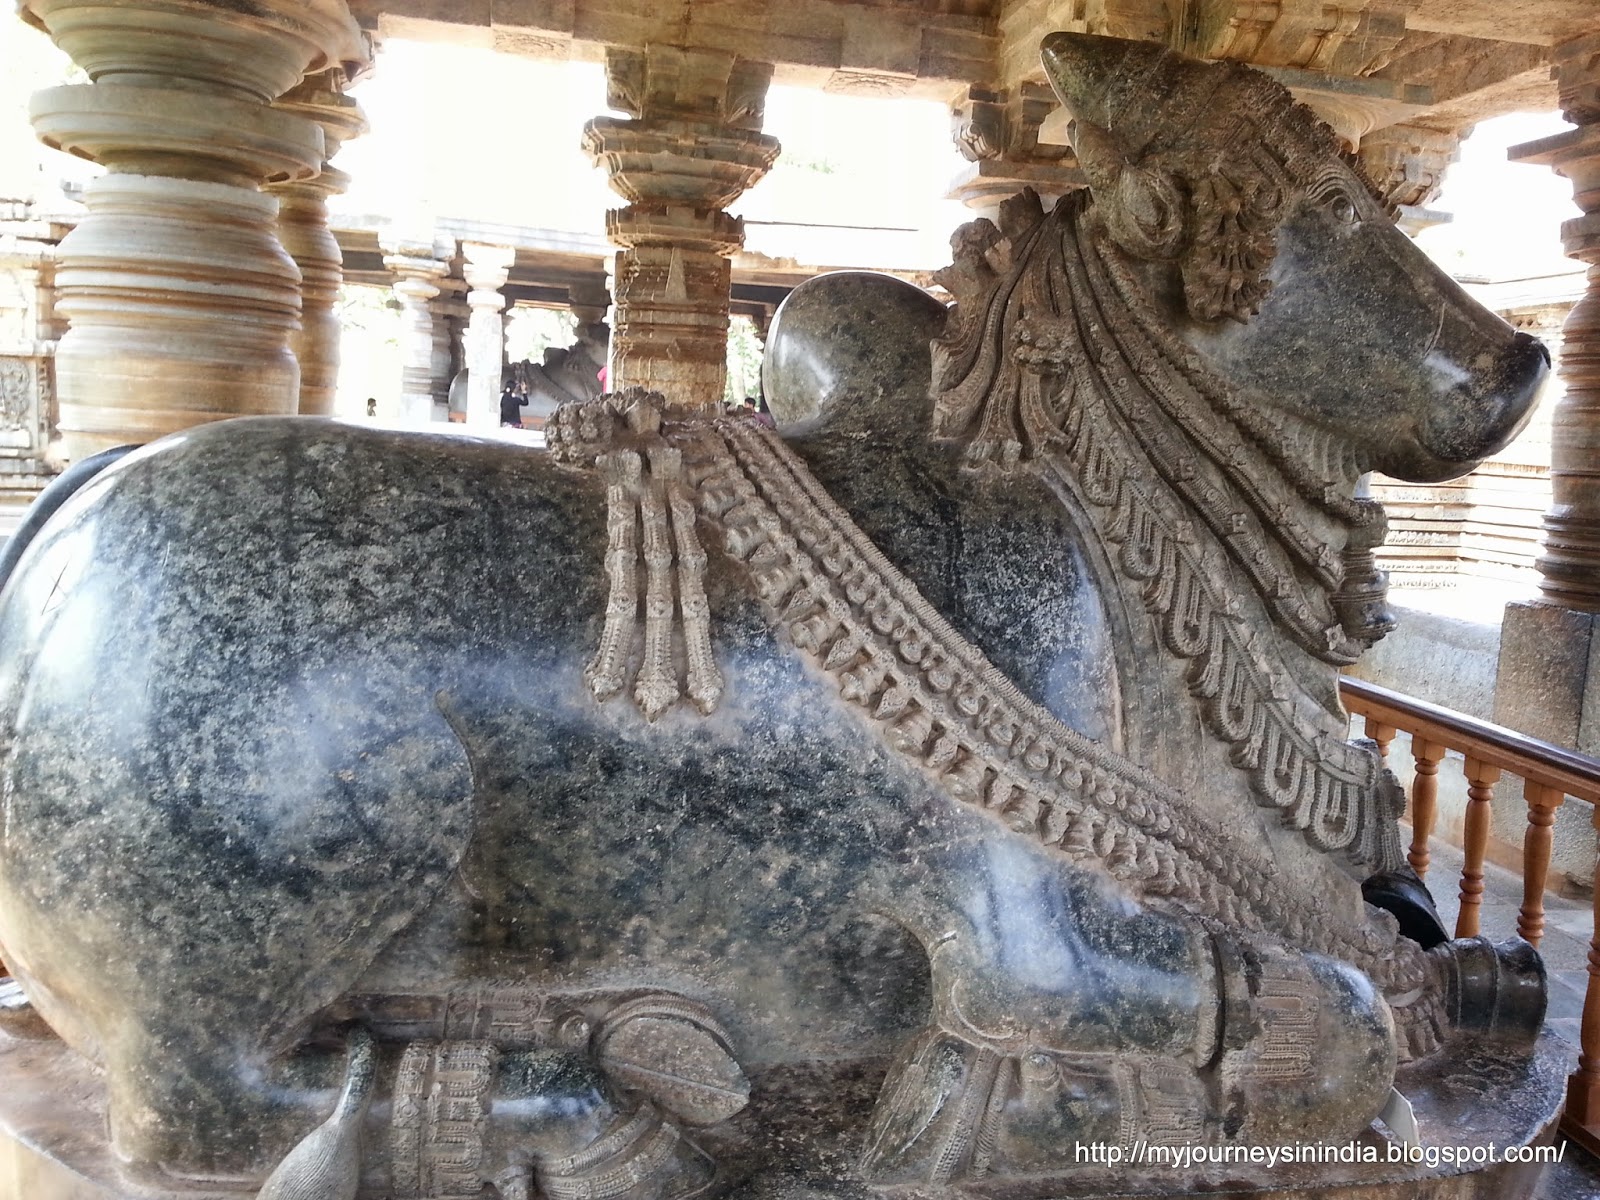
1543	801
1424	799
1583	1085
1380	733
1481	778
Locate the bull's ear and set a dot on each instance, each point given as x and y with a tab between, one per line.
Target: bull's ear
1147	213
1143	208
1098	154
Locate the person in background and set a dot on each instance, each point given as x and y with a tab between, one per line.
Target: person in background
372	406
511	404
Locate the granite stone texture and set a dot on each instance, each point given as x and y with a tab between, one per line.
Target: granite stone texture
909	797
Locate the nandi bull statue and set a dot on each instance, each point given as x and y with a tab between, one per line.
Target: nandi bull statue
916	794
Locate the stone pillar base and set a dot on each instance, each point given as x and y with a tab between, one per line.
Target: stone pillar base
1547	685
1548	682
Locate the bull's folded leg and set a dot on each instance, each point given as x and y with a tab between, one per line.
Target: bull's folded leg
1274	1045
194	1106
559	1120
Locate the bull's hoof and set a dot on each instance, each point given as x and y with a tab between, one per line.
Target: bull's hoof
641	1157
951	1109
1308	1046
1495	989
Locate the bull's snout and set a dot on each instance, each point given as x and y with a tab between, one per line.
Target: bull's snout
1482	409
1521	340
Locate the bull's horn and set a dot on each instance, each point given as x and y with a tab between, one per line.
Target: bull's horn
1081	67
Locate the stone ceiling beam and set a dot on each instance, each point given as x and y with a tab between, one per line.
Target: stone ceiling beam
911	49
1541	24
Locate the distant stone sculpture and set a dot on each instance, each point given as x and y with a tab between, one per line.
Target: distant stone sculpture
921	793
568	374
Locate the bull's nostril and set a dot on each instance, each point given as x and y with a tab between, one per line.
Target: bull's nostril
1523	341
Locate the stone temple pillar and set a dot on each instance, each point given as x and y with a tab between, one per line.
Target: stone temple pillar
419	264
303	229
180	299
1570	567
1548	676
692	145
486	268
450	313
1548	683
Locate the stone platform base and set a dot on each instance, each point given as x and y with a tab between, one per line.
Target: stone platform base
788	1144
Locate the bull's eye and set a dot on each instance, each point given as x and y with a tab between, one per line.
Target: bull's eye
1344	209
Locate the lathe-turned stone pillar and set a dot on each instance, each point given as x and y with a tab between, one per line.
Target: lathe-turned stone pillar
303	229
1570	566
450	314
486	268
181	301
419	264
691	146
1548	678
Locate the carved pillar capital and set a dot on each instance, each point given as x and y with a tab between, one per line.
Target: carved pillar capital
1577	72
303	229
175	283
1001	133
1570	566
486	267
1407	164
690	147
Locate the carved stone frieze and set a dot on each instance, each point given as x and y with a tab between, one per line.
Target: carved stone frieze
440	1111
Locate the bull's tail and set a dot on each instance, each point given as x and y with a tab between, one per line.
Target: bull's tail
61	489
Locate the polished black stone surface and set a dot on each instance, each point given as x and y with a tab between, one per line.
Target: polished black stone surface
299	742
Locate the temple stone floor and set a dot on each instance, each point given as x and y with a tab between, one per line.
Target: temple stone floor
1568	926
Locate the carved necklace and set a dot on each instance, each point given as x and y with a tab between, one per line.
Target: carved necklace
1055	353
934	698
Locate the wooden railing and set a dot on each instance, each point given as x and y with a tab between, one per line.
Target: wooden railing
1550	774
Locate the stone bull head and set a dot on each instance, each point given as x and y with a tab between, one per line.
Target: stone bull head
1291	281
